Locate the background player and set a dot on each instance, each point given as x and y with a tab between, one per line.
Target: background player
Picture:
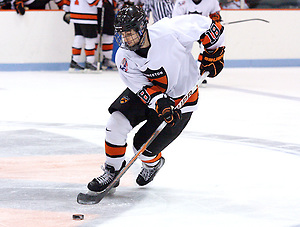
83	13
159	8
107	33
22	5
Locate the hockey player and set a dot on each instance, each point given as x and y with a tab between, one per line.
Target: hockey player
83	13
158	69
208	8
21	5
5	4
233	4
107	33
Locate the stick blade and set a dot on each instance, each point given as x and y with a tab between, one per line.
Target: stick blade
88	199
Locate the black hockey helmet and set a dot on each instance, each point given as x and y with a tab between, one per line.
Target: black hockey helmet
130	18
197	1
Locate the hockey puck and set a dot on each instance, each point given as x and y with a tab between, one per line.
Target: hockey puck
78	216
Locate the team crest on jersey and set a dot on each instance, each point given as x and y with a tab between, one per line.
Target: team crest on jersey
124	65
124	99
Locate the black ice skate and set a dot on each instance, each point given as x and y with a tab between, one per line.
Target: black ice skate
101	183
90	67
75	67
108	64
148	173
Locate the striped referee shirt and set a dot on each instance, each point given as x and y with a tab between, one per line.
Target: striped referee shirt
159	8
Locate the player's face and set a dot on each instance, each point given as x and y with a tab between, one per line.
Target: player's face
131	37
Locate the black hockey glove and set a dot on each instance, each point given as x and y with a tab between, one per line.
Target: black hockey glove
165	109
212	61
19	6
67	17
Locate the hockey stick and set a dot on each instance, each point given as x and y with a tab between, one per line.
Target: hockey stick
94	198
99	66
246	20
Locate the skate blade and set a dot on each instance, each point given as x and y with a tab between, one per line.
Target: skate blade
106	68
92	71
71	70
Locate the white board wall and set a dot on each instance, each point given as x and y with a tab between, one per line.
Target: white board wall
41	40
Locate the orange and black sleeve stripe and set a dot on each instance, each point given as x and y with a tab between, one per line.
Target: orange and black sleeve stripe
94	3
83	16
211	36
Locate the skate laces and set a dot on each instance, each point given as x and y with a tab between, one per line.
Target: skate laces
148	171
106	177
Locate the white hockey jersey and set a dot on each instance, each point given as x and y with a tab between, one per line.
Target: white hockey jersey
204	8
170	67
83	11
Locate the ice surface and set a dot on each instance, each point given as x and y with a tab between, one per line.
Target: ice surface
236	164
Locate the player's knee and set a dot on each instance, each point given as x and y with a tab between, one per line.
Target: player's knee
117	128
138	141
90	43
